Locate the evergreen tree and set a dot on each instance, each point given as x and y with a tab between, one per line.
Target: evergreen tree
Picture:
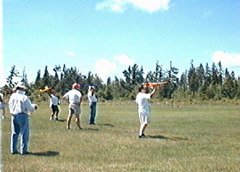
193	79
45	81
10	79
38	79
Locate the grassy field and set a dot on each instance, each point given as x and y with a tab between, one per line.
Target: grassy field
189	138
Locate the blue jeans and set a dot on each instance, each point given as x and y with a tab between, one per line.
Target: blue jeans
19	125
92	115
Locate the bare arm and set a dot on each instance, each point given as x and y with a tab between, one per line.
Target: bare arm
153	92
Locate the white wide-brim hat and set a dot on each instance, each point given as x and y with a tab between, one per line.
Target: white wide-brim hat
20	85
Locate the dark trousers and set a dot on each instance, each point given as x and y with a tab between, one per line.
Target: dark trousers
92	115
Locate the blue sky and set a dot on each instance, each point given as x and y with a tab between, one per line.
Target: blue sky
106	36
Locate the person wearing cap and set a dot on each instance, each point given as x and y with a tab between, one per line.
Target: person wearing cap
20	106
92	104
54	102
74	98
143	108
2	106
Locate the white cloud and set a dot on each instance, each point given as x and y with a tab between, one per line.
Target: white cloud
104	68
151	5
144	5
114	67
112	5
123	59
70	53
227	59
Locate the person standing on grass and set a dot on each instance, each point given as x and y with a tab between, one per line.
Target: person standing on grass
92	104
143	107
74	98
2	106
54	102
20	106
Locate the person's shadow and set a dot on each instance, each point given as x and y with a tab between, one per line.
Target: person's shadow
167	138
44	154
159	137
107	125
61	120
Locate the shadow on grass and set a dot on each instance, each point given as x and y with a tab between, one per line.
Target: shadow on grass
44	154
108	125
167	138
61	120
91	129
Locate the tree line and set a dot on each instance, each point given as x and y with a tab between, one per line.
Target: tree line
198	82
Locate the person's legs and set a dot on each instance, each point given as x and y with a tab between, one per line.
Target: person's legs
143	129
15	130
143	123
52	114
71	111
78	121
3	112
56	112
92	114
24	131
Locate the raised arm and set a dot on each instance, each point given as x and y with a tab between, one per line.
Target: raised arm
153	92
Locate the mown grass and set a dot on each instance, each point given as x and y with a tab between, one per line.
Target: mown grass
189	138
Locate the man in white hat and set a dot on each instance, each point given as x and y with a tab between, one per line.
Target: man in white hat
20	106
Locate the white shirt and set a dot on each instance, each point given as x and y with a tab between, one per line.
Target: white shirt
53	100
20	103
142	101
91	97
74	96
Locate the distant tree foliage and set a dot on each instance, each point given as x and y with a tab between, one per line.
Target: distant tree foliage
198	82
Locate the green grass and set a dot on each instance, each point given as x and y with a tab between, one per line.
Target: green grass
189	138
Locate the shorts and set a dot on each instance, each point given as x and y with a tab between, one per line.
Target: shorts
74	109
54	108
144	118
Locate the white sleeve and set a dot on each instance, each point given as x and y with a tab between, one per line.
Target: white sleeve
29	106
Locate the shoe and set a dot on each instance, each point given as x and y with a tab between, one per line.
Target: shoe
141	136
56	119
51	119
15	152
25	153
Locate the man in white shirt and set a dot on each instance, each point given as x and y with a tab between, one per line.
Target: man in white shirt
74	98
92	104
20	106
143	108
